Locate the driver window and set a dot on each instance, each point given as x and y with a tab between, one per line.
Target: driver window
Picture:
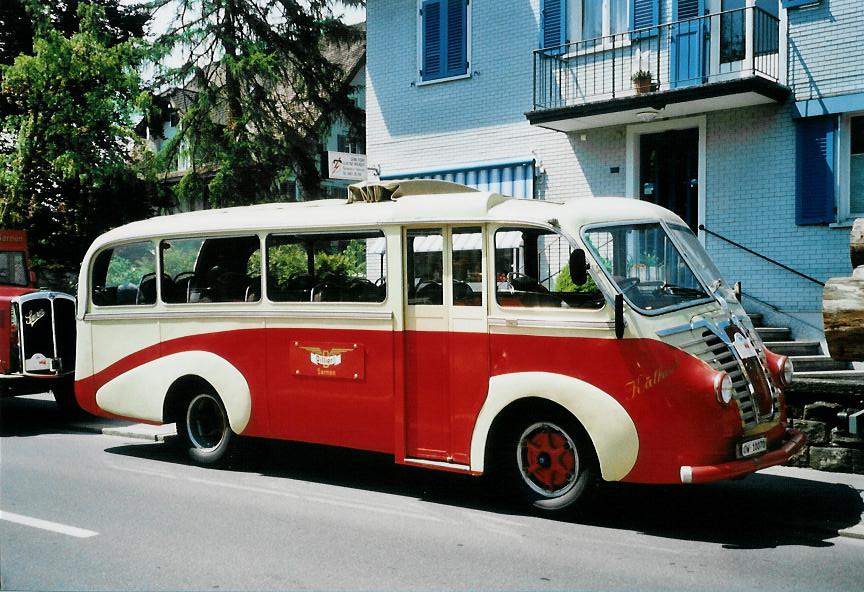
125	275
531	270
424	261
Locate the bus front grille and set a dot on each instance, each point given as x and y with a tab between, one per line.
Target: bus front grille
712	350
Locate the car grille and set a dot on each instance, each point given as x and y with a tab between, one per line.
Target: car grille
47	325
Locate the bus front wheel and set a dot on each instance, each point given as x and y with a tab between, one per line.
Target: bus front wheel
204	429
549	462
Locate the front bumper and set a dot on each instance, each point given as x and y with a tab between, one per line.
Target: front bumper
13	385
793	441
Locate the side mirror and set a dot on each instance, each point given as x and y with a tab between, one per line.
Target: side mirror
578	267
619	316
737	289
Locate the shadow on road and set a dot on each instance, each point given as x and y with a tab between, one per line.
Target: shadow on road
761	511
38	414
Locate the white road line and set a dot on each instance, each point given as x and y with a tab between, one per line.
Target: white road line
364	507
243	487
72	531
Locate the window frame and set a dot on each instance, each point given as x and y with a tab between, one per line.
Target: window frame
845	216
421	81
265	266
575	17
91	284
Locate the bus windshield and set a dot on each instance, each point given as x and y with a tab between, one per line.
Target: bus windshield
13	271
646	266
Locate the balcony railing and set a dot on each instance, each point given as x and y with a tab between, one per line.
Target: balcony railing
722	47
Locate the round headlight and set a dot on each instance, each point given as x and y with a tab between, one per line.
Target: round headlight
787	371
723	388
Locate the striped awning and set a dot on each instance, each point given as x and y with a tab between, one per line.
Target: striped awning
514	178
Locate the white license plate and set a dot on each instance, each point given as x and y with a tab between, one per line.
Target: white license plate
754	447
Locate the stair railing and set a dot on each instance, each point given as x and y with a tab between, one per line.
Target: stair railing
761	256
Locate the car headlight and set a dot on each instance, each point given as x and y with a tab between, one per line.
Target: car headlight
787	371
723	388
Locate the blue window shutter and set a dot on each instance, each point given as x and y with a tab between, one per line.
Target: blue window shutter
646	13
457	37
432	40
815	170
553	23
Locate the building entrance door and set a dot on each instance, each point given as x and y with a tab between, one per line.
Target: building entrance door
669	172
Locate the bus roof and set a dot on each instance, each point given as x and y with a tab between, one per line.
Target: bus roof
448	208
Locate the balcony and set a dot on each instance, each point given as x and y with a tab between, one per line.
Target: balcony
719	61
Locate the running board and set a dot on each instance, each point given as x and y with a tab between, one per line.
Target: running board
437	464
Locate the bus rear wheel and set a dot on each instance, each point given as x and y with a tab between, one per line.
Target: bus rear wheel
204	429
550	464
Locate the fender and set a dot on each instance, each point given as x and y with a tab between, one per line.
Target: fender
609	426
140	393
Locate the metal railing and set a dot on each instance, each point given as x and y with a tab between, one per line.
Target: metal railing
760	255
729	45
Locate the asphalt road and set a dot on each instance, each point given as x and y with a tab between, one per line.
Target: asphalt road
123	514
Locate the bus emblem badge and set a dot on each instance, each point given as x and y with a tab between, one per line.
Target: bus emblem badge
326	357
33	317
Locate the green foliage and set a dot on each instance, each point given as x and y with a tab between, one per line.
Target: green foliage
264	85
67	166
342	258
130	264
564	283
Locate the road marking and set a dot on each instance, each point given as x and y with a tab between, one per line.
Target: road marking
243	487
72	531
367	508
141	471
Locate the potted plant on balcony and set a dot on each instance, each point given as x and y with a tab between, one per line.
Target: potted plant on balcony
642	81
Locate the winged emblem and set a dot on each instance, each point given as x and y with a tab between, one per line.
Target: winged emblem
326	357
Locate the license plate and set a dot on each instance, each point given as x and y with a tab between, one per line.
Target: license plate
752	447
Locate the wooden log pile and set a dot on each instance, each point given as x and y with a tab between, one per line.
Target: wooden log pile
843	305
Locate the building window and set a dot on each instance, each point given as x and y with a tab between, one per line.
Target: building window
854	128
590	19
444	35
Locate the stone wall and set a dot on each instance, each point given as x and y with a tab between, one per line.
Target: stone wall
830	446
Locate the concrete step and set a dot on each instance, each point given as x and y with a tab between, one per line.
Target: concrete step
846	376
818	363
795	348
756	318
775	333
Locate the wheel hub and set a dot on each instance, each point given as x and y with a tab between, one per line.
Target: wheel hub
547	459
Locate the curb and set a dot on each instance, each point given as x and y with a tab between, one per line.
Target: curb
142	431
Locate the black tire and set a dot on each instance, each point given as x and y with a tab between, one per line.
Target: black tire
548	462
204	430
64	396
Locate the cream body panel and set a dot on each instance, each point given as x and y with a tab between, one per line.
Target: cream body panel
115	339
83	343
609	426
140	393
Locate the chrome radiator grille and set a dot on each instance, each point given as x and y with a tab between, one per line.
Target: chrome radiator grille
711	349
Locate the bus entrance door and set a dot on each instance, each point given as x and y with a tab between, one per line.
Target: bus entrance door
446	340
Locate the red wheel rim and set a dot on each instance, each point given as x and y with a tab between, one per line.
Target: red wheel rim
547	459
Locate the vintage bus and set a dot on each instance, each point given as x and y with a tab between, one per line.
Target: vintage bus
550	344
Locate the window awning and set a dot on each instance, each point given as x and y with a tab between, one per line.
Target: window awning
513	178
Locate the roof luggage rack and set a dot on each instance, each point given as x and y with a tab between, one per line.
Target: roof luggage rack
375	191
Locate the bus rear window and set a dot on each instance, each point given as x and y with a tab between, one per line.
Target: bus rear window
343	267
125	275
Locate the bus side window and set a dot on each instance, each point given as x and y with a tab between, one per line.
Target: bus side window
331	267
211	269
467	266
531	271
124	275
424	258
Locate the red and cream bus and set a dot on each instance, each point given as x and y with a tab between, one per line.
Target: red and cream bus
552	344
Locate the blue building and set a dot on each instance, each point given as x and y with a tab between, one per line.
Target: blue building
746	117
